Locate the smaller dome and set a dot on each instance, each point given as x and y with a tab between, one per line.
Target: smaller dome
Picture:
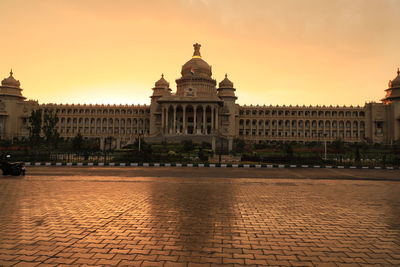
162	82
226	83
396	81
10	81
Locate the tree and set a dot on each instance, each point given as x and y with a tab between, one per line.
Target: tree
338	144
77	142
288	150
239	145
50	120
357	155
205	145
202	156
35	126
187	146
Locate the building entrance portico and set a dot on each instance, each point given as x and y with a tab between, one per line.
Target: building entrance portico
189	118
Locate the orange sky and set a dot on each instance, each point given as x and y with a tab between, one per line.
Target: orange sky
276	52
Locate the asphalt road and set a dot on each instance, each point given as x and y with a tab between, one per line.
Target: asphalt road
198	172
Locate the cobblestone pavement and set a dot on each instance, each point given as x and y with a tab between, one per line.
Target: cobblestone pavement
77	218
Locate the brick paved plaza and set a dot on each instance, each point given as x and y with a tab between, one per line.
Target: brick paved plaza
199	217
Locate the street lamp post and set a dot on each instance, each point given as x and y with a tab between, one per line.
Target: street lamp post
325	148
140	142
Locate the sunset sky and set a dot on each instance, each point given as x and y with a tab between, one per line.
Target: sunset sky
309	52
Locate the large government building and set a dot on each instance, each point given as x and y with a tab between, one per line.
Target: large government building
202	110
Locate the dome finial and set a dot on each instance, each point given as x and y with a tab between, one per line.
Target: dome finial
162	75
398	71
11	72
226	75
196	53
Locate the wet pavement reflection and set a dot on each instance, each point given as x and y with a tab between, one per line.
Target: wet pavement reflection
148	221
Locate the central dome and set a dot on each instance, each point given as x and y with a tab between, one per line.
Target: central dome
196	66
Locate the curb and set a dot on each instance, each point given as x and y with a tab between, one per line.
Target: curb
205	165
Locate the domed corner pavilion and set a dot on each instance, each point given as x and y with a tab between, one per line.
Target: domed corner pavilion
194	111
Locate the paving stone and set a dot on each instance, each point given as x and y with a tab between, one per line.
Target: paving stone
125	221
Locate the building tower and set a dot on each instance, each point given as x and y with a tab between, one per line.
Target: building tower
161	88
14	109
229	111
392	101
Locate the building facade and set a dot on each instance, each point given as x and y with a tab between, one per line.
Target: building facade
202	111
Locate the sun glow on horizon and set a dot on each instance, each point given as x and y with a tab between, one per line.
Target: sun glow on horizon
281	53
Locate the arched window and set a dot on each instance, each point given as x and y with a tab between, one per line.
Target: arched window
314	124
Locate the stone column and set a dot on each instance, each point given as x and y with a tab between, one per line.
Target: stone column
101	125
118	141
195	120
174	130
351	129
204	121
213	143
101	143
258	128
216	118
212	120
230	144
264	128
162	120
184	131
166	121
119	126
